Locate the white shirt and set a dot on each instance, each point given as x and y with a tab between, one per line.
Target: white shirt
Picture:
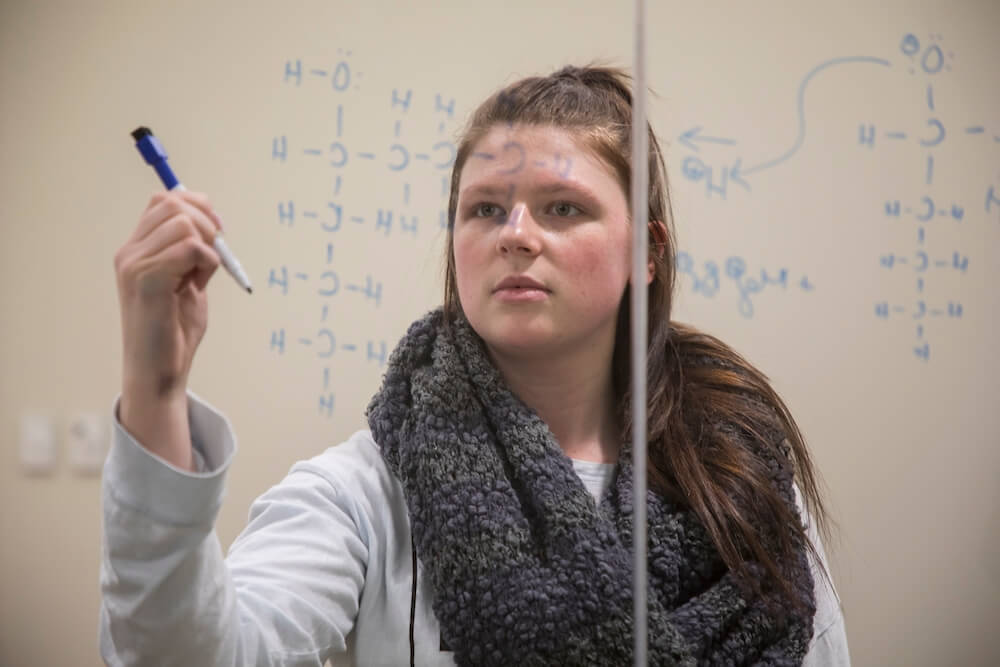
323	569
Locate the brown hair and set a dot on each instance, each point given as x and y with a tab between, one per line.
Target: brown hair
705	402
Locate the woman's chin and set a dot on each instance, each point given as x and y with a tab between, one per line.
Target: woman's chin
520	340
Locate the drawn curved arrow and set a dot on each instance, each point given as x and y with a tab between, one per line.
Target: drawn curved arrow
801	109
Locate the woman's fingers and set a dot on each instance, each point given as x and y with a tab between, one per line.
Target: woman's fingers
169	258
187	260
167	233
172	244
201	201
164	206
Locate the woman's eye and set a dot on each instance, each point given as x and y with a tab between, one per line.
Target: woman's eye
564	209
486	210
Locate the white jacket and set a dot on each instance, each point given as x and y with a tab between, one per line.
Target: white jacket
323	570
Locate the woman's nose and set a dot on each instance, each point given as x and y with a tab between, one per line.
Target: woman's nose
519	234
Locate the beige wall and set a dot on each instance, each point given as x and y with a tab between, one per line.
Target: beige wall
908	448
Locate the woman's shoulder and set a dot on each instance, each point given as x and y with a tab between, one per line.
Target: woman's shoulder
354	469
356	460
829	635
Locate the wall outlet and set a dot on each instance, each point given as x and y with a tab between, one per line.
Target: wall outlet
38	444
86	442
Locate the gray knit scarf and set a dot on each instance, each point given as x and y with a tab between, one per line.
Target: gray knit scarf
526	569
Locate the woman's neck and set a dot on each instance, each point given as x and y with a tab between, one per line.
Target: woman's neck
574	396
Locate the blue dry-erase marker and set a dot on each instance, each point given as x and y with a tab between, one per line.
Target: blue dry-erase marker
154	154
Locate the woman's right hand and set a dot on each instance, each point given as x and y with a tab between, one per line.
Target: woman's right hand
162	271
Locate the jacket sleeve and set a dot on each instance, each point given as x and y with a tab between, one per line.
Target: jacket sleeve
828	647
287	594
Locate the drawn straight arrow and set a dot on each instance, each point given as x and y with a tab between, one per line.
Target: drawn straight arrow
801	109
688	138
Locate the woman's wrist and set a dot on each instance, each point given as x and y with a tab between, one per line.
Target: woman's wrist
158	423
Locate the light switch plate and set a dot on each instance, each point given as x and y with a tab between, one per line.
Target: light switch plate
86	442
38	444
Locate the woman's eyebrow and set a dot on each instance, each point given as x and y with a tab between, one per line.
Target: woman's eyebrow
485	190
559	187
547	188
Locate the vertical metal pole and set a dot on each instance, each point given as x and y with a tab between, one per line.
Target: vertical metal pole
640	252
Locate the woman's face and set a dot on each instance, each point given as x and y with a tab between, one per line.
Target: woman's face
542	242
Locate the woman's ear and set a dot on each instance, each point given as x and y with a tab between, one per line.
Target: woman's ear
657	246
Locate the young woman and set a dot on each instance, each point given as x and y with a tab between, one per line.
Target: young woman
485	516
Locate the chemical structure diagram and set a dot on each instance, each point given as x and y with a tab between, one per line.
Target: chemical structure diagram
427	162
925	259
339	155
